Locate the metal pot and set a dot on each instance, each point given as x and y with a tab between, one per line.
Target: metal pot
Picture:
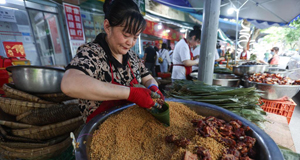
228	80
274	91
266	147
37	79
249	69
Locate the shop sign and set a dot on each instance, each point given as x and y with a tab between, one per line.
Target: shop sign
74	23
14	49
7	15
152	29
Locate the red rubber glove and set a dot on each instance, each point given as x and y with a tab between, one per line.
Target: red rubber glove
141	97
154	88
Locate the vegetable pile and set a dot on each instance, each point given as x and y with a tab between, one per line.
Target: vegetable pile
242	101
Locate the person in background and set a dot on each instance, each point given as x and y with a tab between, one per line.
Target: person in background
171	59
157	64
103	72
219	50
275	59
196	53
150	58
267	56
244	54
183	57
164	58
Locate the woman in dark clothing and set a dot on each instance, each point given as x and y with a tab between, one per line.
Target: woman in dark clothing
103	73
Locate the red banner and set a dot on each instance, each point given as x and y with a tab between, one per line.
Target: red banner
74	23
14	49
152	29
54	34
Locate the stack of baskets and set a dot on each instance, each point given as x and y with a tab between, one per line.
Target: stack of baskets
36	126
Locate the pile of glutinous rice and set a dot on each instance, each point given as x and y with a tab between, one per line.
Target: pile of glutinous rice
136	134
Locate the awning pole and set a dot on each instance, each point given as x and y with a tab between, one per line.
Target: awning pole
208	40
236	34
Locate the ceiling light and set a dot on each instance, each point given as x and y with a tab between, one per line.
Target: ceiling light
2	1
159	26
230	10
167	30
182	30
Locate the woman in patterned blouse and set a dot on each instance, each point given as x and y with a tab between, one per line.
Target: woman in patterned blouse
103	72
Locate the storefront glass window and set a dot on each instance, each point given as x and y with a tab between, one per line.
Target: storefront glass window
92	24
48	37
15	27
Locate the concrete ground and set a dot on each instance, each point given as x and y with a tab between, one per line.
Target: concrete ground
295	123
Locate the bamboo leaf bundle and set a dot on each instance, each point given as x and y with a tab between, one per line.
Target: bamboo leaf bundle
242	101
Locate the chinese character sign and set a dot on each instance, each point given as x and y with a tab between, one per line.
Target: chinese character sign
14	49
74	23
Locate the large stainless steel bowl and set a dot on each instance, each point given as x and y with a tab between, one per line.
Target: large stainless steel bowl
249	69
37	79
274	91
229	80
266	147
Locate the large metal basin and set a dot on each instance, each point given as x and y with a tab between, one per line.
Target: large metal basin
273	91
229	80
249	69
37	79
266	147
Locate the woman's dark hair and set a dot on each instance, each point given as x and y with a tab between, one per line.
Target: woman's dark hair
169	48
276	49
125	13
163	46
195	32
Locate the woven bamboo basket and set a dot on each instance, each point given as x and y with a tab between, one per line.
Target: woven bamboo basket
49	115
28	145
17	107
15	125
36	154
12	92
55	97
49	131
10	138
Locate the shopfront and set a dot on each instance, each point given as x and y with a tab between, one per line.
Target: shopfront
15	28
48	32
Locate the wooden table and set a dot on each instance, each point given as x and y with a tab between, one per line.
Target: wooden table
278	129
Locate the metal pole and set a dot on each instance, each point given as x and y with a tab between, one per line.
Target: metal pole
208	40
236	33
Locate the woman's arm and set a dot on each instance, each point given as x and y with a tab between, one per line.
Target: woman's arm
148	80
190	62
77	84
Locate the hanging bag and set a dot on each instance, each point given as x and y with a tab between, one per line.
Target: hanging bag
160	59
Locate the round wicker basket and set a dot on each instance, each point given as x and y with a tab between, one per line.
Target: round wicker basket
49	131
49	115
15	125
37	153
55	97
16	107
12	92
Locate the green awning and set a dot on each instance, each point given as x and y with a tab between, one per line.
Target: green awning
222	36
